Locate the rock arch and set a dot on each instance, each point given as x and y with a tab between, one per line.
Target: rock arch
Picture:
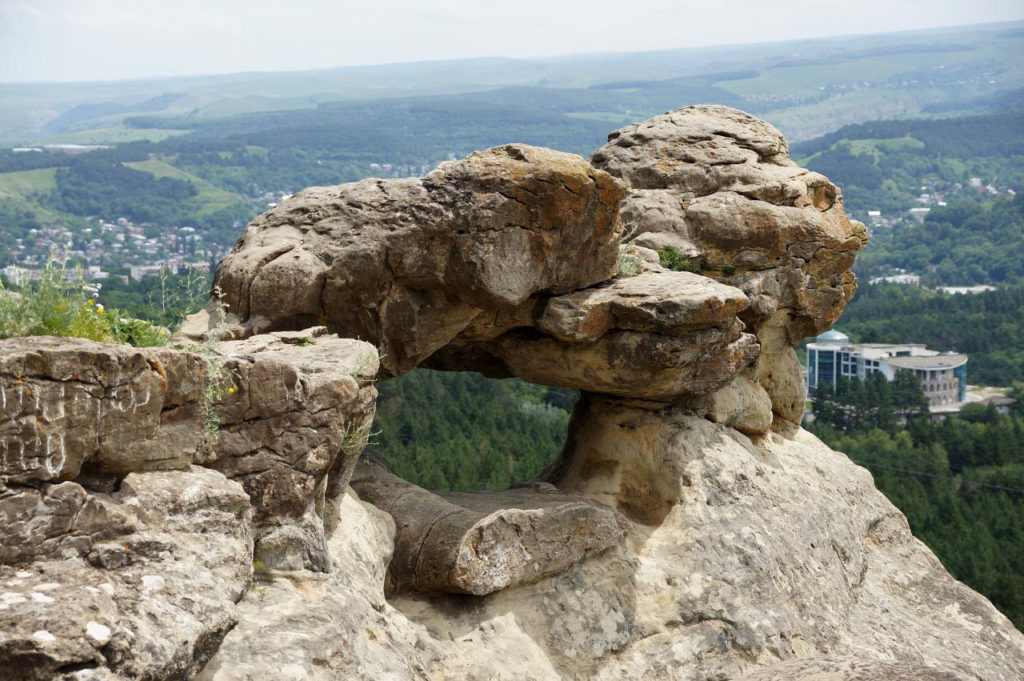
506	263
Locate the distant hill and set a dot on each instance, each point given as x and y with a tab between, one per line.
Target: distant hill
807	87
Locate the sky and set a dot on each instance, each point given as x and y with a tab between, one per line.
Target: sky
86	40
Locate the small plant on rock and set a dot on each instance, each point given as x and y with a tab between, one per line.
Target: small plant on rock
629	264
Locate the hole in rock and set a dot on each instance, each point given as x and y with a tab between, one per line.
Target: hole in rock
446	430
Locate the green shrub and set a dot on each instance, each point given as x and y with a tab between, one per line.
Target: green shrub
673	260
62	303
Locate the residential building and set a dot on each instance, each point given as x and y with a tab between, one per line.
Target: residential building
943	375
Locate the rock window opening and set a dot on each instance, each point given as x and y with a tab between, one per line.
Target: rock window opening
460	431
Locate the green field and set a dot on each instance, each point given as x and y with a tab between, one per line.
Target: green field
210	198
21	186
117	134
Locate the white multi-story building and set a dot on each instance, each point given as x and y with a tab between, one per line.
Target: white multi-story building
943	375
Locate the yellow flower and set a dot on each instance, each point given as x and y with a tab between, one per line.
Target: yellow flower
232	389
90	301
99	309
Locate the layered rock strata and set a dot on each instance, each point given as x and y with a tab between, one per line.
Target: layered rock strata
408	264
718	186
285	415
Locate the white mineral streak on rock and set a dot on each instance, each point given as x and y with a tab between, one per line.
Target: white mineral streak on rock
99	633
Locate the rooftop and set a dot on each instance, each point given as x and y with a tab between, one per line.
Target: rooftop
833	336
944	361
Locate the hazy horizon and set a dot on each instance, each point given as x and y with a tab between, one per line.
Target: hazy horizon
61	41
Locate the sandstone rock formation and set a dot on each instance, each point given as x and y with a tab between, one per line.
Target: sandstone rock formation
286	419
482	542
689	529
140	583
718	185
408	264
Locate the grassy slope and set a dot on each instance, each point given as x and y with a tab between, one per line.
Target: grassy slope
20	186
210	197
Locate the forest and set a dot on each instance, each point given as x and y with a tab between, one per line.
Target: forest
885	165
462	431
960	481
959	244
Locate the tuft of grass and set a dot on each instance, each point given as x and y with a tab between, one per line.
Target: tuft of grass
672	259
629	264
220	381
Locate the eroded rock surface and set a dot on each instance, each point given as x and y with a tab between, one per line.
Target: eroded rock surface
774	560
65	403
408	264
294	426
482	542
500	264
141	584
286	418
717	185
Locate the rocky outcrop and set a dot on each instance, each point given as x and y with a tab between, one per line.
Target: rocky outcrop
69	404
688	530
464	269
285	415
717	185
140	583
482	542
291	431
408	264
775	560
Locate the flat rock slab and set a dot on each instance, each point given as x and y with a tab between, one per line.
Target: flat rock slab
481	542
656	302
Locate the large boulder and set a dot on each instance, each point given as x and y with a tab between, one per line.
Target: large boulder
70	403
481	542
408	264
718	186
660	336
291	431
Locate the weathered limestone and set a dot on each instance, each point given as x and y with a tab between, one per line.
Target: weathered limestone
481	542
69	403
289	415
658	336
142	586
751	551
770	561
294	426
